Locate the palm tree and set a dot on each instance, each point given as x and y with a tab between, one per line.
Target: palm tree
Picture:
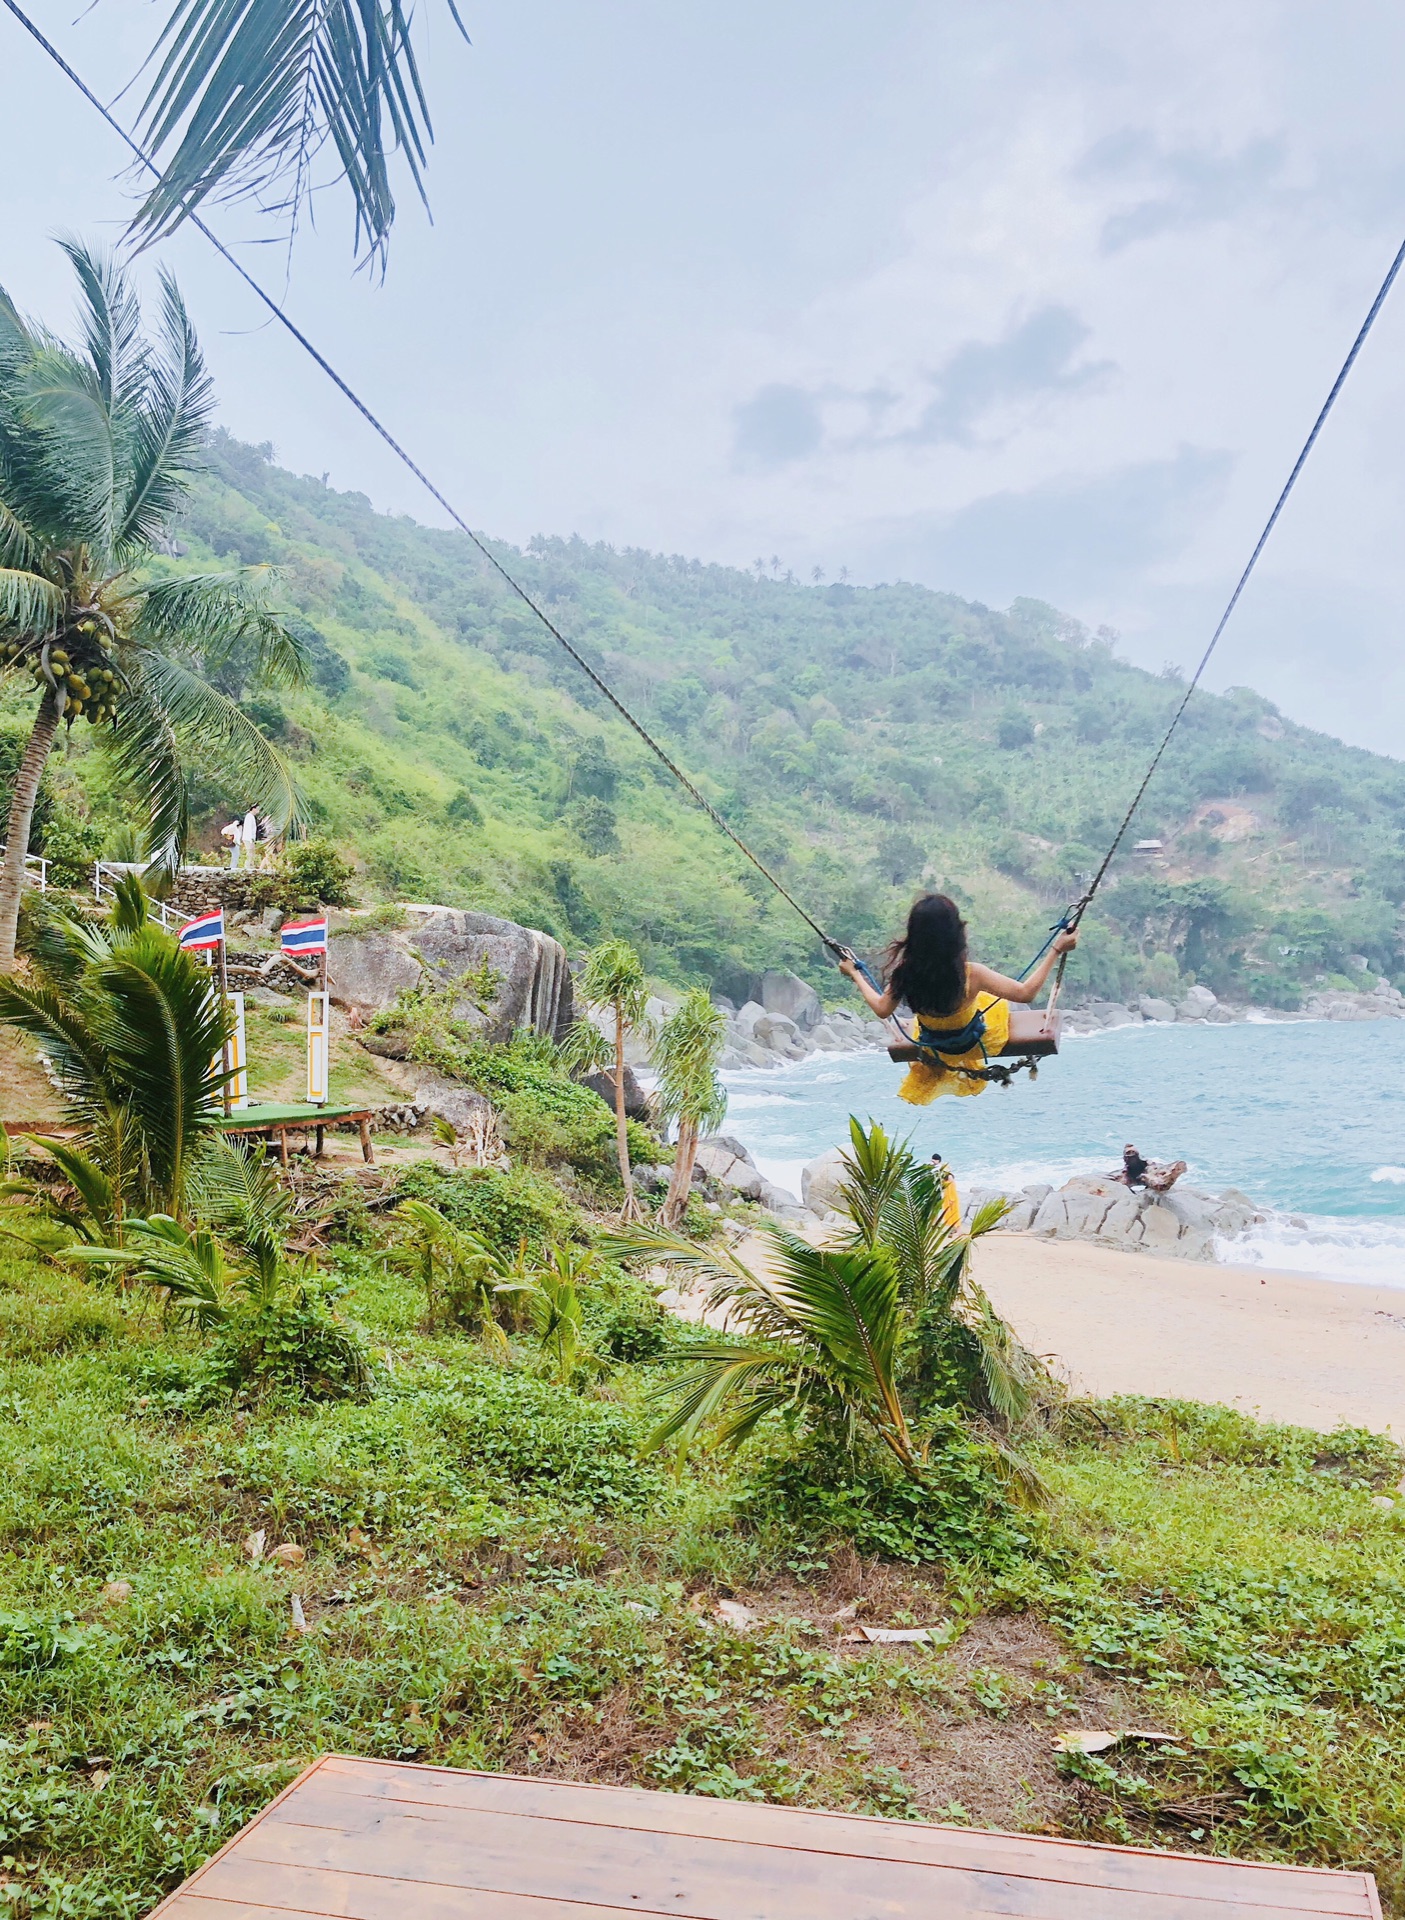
246	97
612	981
97	446
685	1055
135	1036
856	1335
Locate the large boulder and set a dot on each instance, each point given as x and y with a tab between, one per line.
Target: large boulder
788	994
821	1179
1151	1008
727	1161
451	1100
368	970
781	1034
636	1101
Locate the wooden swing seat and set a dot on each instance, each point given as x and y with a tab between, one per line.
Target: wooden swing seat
1033	1035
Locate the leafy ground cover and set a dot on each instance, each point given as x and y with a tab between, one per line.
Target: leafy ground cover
489	1573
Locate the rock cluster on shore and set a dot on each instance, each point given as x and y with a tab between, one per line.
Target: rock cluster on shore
1183	1223
788	1022
1200	1007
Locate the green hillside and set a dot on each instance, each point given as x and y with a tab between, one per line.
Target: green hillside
863	739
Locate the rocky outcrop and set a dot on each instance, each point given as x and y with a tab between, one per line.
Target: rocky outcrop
636	1101
793	998
439	946
820	1181
1200	1007
759	1035
1182	1223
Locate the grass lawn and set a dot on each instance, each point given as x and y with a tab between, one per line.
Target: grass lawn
491	1576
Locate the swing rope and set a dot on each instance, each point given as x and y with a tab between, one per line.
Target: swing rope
1070	920
1076	912
378	427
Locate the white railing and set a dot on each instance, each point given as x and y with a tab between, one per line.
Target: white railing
105	871
36	871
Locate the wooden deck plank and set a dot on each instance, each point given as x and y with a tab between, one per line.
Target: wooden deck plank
1307	1889
247	1890
380	1840
697	1878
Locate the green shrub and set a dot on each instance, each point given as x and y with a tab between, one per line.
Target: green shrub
504	1208
623	1321
958	1511
519	1430
295	1348
314	870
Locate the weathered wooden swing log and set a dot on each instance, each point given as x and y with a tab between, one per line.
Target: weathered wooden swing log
1033	1035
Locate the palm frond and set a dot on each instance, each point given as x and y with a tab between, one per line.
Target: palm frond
685	1055
189	1265
19	342
78	464
249	92
18	545
170	713
1010	1371
838	1311
61	1025
241	1193
913	1225
163	1030
29	604
585	1049
726	1391
213	616
875	1167
171	422
147	756
111	327
97	1191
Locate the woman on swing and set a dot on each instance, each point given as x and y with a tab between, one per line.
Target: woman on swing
930	972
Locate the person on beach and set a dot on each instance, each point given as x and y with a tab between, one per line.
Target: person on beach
930	972
1133	1167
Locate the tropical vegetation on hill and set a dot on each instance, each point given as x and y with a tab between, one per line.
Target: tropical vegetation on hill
97	448
865	741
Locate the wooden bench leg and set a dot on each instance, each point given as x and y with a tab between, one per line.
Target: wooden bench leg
283	1146
319	1143
368	1152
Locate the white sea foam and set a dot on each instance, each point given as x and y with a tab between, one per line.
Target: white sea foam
1368	1252
1393	1176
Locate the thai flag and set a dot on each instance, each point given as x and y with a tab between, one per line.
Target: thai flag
206	930
304	936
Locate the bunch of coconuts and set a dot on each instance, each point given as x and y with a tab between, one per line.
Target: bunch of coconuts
75	666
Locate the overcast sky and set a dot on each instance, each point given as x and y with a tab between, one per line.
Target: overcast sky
1006	298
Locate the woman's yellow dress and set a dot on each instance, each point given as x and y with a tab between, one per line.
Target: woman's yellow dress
928	1078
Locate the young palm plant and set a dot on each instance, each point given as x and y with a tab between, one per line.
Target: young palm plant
465	1280
97	446
135	1036
851	1335
612	981
686	1055
226	1270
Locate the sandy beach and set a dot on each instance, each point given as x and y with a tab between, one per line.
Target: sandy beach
1319	1353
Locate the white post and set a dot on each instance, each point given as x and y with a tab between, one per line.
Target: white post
319	1007
238	1056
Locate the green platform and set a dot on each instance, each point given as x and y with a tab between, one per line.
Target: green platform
281	1120
287	1116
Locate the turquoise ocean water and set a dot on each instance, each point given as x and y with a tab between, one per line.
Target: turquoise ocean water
1306	1117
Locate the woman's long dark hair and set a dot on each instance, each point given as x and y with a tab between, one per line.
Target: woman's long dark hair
927	967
